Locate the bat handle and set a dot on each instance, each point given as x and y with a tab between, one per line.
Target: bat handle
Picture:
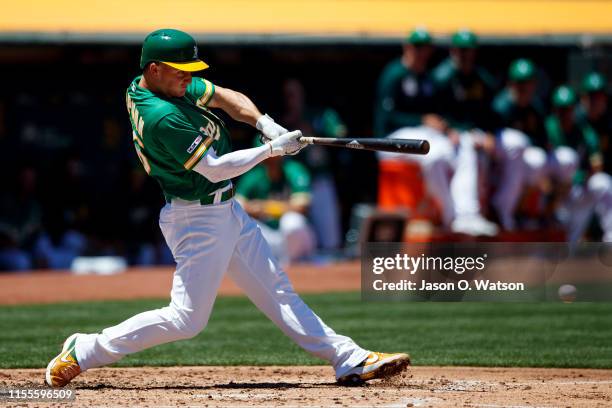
307	140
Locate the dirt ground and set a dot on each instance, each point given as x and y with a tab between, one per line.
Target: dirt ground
286	386
139	283
314	386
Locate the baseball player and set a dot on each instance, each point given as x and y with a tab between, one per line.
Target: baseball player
520	142
186	148
591	191
594	113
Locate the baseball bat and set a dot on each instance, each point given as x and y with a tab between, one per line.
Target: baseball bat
413	146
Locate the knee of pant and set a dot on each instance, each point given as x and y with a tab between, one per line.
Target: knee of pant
513	140
535	158
187	324
292	221
600	184
567	159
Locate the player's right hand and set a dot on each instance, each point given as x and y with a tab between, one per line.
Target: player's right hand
288	143
269	129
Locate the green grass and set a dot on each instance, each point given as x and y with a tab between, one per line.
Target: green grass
479	334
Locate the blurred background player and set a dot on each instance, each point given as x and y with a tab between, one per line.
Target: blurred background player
594	113
465	90
319	122
584	188
521	127
405	91
277	194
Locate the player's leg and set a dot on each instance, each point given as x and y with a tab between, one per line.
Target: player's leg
255	271
595	197
201	240
324	212
464	190
511	152
600	187
297	234
437	167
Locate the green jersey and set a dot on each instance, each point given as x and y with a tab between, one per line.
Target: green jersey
582	139
255	184
465	98
528	119
294	184
171	135
402	98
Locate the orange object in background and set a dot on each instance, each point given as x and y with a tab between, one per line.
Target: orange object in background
401	186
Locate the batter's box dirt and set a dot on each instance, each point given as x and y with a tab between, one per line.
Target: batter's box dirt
315	386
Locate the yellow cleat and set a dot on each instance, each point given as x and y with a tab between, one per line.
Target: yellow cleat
64	367
377	365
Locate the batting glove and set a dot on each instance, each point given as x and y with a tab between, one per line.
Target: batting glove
287	143
269	129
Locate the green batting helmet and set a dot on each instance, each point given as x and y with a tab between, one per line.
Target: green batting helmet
419	36
521	69
172	47
563	97
464	39
593	82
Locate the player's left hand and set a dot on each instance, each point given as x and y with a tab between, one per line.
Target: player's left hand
269	129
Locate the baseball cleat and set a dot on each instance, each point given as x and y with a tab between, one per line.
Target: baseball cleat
64	367
377	365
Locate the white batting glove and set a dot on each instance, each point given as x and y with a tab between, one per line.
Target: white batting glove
269	129
287	143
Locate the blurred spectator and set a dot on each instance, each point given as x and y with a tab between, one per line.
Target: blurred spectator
405	93
577	154
595	116
20	220
277	194
465	88
518	106
319	122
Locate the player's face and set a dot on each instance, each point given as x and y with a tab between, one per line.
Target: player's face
524	91
566	117
417	56
596	104
171	81
464	59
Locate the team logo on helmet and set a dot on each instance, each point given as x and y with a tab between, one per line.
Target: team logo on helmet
195	51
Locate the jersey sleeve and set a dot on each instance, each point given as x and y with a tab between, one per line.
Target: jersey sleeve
200	91
180	138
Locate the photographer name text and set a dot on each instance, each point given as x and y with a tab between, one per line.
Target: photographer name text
422	285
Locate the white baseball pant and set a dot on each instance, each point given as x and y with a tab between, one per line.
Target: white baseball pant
292	240
585	200
205	242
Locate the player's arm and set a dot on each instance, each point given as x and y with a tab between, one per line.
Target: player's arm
193	149
242	109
